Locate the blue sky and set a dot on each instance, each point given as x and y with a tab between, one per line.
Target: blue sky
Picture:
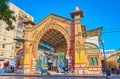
97	13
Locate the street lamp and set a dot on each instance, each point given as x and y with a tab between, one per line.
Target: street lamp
105	67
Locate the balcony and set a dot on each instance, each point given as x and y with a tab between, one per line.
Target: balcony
18	44
19	37
20	29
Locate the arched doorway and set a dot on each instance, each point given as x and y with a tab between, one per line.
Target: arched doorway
57	40
47	28
52	50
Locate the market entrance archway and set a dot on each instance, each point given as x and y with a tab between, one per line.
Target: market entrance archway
55	37
52	50
50	31
76	36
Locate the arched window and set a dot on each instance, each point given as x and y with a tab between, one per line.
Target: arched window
95	61
91	61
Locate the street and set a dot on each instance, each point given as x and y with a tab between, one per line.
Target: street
55	77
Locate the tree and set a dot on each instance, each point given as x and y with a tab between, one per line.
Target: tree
6	14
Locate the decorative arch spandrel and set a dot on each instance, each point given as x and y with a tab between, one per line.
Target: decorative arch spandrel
49	25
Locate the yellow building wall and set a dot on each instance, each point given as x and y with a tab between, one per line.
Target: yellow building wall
112	61
80	56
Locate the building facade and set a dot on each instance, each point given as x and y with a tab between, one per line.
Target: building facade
9	47
108	53
21	16
67	36
113	61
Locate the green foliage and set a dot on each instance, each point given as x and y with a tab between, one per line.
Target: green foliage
6	14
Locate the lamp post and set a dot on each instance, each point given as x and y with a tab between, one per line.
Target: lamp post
105	67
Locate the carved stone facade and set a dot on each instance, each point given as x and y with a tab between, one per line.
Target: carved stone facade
83	55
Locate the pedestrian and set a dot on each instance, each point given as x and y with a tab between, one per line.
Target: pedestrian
117	71
108	72
112	70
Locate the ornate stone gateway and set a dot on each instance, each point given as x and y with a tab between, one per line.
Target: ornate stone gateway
54	32
62	35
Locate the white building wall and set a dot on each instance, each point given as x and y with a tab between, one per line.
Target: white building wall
7	37
93	40
7	44
108	53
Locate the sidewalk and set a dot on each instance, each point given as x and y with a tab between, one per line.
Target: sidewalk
115	75
52	75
